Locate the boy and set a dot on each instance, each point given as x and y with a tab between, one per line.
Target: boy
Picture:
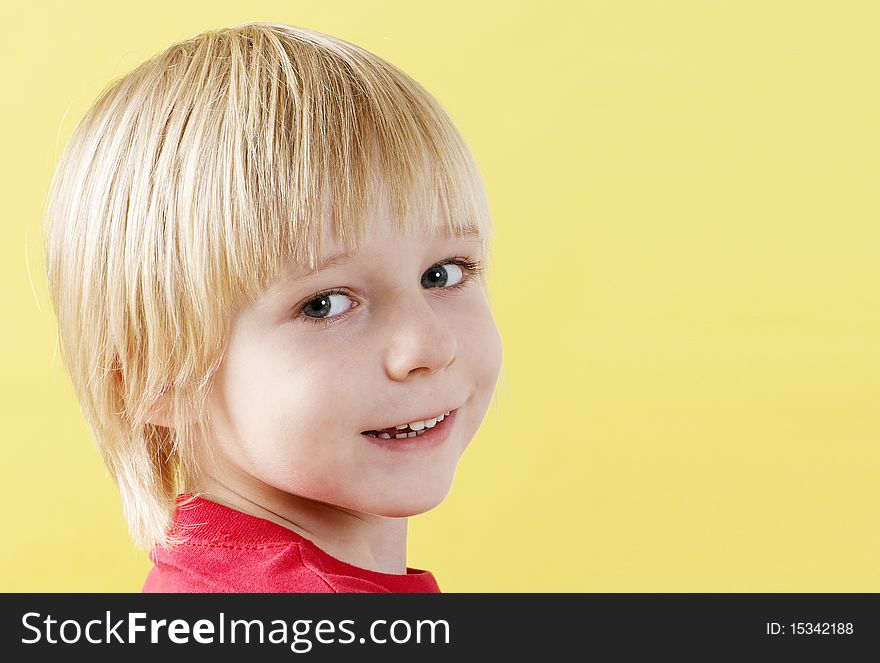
264	249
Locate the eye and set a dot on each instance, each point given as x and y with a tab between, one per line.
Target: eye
446	275
327	305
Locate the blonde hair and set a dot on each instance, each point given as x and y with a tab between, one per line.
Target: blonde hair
182	193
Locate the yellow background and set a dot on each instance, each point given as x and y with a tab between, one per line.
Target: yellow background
686	275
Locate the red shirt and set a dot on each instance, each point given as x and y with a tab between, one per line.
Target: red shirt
232	551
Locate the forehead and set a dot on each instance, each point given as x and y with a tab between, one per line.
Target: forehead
341	233
378	229
381	245
336	253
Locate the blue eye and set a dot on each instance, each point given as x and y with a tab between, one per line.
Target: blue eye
327	307
439	276
330	302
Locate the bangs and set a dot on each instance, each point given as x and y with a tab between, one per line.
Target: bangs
313	130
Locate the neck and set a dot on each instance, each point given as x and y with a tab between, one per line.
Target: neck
376	543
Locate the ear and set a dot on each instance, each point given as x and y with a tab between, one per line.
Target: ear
160	413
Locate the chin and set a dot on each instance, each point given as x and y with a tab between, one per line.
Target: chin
403	505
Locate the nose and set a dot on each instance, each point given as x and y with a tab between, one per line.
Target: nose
421	340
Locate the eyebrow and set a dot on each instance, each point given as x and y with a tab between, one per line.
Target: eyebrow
332	260
342	256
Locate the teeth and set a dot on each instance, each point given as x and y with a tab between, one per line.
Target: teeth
415	427
427	423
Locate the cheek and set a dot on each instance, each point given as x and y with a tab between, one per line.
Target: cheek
281	416
276	391
309	393
480	344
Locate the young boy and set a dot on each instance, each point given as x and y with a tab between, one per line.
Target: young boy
265	250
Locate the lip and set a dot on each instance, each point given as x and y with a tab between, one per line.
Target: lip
433	437
425	418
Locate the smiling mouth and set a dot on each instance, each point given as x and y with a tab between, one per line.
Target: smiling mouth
412	429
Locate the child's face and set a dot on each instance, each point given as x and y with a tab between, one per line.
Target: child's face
294	395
